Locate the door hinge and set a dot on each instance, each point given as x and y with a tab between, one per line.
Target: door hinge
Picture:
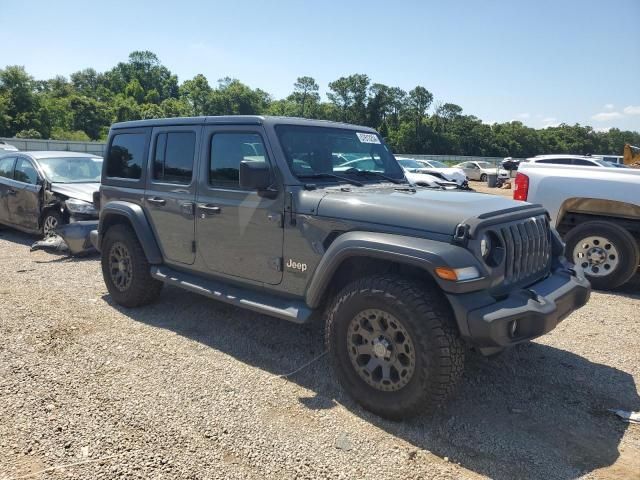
290	207
193	246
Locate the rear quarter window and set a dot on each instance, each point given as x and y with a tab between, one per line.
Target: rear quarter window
126	155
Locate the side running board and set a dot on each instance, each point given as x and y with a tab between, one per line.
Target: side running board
286	309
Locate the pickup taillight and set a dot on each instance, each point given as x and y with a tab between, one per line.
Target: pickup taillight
521	189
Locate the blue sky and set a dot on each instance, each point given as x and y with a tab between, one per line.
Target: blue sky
541	62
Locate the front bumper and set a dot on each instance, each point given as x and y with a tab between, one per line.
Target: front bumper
82	217
536	310
94	239
76	236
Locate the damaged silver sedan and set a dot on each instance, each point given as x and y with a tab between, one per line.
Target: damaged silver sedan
40	192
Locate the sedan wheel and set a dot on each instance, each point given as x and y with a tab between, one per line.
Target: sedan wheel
50	223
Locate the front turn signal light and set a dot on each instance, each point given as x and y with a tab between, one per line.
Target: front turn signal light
457	274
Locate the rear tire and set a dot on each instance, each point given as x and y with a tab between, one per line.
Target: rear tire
607	252
483	177
125	269
419	327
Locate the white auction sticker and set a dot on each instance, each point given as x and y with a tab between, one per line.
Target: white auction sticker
368	137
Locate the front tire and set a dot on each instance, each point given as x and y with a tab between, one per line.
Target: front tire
51	220
608	254
483	177
125	269
394	345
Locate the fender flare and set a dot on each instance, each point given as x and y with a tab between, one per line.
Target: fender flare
138	221
420	252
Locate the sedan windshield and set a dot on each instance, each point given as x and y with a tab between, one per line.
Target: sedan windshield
437	164
72	169
336	154
409	163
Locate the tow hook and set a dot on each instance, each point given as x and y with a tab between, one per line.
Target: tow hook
534	296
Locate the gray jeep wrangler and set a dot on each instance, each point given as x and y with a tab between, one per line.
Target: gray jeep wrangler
299	219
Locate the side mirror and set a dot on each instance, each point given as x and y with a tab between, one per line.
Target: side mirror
255	175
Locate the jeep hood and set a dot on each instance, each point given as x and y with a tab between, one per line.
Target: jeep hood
80	191
437	211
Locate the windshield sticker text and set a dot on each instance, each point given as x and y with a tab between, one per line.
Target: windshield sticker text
368	138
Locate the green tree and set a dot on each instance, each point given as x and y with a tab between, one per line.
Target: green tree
151	110
305	95
135	90
22	105
419	101
197	93
28	133
233	97
174	107
88	115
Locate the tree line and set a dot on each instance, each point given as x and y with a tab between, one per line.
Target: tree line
83	106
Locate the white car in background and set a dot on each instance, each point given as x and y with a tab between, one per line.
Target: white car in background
7	147
432	167
428	180
581	160
481	170
367	163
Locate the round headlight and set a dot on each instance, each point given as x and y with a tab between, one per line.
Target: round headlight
485	246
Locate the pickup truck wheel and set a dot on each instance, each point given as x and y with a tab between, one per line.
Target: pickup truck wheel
607	252
394	345
483	177
125	269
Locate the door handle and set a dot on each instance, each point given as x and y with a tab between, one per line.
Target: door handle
209	209
11	191
157	201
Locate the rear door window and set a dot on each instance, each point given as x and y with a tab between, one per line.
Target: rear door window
126	155
556	161
6	167
25	172
584	163
173	162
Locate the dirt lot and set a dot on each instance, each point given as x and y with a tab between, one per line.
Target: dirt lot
190	388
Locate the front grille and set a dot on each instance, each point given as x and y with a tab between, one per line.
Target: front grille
527	248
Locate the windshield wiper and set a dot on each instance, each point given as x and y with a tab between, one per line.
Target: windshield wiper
332	175
371	172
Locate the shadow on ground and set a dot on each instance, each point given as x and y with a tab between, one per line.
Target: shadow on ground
57	256
534	412
17	237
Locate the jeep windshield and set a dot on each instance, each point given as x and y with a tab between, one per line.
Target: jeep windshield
337	154
72	169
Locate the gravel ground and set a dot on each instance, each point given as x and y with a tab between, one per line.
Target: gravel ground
190	388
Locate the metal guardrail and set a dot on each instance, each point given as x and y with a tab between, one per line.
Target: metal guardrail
31	144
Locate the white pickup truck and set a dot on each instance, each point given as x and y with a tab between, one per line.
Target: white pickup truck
597	212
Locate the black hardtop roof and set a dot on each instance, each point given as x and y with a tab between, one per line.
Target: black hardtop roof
237	120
